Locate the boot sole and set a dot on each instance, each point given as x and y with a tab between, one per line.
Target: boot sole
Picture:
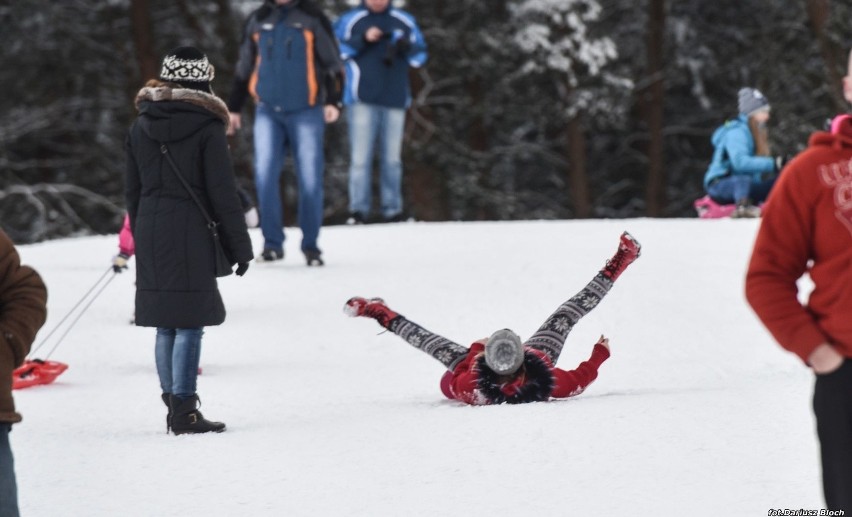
178	433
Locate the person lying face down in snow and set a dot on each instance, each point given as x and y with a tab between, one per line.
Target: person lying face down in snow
501	368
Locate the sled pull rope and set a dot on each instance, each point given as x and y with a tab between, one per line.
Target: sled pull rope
73	322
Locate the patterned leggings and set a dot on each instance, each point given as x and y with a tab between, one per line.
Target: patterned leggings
550	337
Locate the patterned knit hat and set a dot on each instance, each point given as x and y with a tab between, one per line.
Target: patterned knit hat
188	67
504	352
751	100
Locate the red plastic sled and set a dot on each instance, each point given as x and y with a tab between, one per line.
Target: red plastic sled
35	371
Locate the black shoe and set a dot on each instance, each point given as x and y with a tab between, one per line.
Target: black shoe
271	255
356	218
165	397
313	257
398	218
187	419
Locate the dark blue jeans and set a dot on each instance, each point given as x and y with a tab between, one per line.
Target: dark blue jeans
275	133
736	188
8	485
178	352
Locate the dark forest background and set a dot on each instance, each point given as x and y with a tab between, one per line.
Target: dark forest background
526	110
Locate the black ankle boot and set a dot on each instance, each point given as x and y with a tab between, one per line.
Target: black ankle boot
165	397
187	419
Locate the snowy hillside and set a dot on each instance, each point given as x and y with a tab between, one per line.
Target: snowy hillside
698	412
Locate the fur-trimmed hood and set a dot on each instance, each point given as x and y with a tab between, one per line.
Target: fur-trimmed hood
169	114
532	383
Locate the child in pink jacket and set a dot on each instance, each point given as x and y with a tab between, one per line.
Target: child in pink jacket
126	246
501	368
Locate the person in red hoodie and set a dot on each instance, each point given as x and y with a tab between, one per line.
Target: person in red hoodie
502	369
807	229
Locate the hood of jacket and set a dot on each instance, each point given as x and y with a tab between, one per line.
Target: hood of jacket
724	128
840	135
169	114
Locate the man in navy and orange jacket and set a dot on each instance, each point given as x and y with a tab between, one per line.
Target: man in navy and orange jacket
290	64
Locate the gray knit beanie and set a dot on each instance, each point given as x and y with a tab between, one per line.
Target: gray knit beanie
751	100
504	352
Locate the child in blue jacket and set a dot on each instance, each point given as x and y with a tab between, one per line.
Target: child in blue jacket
742	171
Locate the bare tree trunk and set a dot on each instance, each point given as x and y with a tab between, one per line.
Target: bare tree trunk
146	55
578	176
818	13
477	138
426	187
652	103
190	20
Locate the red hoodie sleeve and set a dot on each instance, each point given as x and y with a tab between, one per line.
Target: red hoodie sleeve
780	257
574	382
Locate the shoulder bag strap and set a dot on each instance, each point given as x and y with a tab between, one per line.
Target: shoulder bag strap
210	222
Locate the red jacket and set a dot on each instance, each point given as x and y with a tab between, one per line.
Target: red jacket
807	228
538	380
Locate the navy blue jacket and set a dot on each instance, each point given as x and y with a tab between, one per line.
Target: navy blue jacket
288	59
377	73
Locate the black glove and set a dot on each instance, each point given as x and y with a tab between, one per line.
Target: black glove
780	162
242	267
120	262
403	46
397	45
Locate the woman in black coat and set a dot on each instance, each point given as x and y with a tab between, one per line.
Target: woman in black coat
176	288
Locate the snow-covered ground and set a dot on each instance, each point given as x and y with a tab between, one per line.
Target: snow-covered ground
698	412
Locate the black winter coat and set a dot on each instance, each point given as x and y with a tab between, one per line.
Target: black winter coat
175	262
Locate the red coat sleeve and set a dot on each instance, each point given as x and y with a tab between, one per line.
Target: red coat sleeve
462	383
574	382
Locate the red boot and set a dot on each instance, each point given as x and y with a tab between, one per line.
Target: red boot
629	250
373	308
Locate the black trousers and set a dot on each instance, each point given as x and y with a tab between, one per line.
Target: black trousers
833	410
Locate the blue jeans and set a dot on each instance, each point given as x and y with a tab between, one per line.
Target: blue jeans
178	352
367	123
303	132
736	188
8	486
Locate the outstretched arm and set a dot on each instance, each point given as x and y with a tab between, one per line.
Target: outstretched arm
573	382
461	382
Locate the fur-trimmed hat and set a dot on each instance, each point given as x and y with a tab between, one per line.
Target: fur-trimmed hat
504	352
751	100
188	67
